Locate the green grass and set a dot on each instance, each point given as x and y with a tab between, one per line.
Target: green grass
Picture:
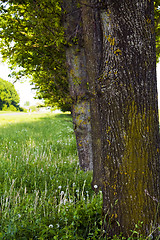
43	193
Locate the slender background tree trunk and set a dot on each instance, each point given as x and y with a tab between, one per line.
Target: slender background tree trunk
77	74
80	107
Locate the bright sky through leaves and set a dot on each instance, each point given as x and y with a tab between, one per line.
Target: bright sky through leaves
23	89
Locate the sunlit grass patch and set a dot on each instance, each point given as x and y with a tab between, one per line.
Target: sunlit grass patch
4	112
6	118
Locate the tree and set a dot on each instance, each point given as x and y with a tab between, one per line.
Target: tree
77	77
126	93
9	98
117	41
27	104
35	43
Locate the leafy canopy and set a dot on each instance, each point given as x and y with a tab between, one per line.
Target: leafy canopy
32	38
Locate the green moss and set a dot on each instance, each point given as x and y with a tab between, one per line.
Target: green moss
135	172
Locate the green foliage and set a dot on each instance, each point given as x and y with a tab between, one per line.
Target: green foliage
9	98
27	104
32	38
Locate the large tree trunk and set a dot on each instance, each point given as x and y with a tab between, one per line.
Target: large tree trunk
126	93
77	75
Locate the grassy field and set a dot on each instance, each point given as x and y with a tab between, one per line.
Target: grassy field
43	193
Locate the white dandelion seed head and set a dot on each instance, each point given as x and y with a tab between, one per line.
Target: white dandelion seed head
50	226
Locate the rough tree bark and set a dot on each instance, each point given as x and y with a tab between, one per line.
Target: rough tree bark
125	97
78	80
92	34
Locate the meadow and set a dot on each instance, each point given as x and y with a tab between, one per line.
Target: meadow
43	192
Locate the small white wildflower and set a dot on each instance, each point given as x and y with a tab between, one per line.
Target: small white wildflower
77	190
95	186
74	184
57	225
64	202
84	198
19	215
62	192
50	226
59	187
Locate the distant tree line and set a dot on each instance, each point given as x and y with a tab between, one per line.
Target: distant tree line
9	98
